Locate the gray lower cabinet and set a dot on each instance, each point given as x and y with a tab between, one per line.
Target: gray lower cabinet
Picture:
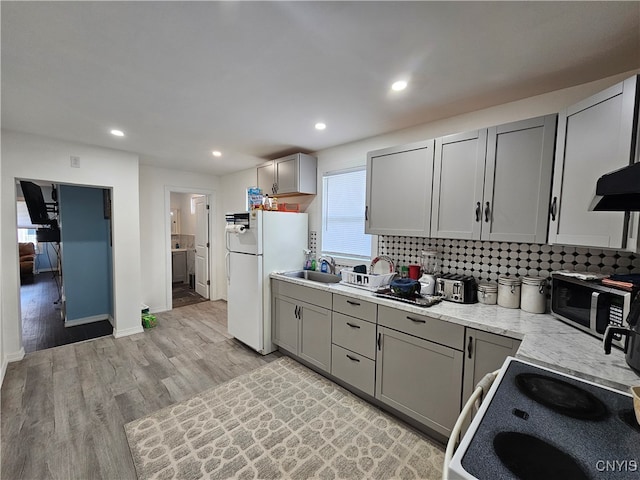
179	267
315	335
285	324
484	353
301	322
419	378
353	349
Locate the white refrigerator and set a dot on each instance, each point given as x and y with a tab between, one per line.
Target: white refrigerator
258	243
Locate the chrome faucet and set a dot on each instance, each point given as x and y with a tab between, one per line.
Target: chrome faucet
330	261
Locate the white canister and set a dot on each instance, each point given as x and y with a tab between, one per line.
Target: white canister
533	298
509	291
487	293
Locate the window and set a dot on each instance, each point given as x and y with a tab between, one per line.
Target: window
343	203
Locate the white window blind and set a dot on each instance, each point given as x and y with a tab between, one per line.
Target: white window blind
343	203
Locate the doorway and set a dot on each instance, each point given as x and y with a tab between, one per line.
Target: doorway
190	247
59	309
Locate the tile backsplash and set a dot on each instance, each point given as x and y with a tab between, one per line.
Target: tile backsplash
487	260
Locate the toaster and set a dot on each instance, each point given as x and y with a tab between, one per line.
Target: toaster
457	288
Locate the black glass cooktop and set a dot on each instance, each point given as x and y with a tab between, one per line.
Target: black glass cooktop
542	425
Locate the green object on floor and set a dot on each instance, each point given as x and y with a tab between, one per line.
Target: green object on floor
149	321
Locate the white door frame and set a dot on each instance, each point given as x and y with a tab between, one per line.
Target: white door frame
210	194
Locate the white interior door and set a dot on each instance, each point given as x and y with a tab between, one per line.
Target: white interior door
202	246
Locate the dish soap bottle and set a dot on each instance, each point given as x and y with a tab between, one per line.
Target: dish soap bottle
313	264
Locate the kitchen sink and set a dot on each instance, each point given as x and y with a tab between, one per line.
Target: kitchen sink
314	276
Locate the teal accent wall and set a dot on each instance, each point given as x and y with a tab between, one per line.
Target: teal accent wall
86	253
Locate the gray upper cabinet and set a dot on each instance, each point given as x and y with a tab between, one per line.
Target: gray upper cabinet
458	178
517	180
494	184
595	136
291	175
399	190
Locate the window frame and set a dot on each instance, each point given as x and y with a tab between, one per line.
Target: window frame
342	257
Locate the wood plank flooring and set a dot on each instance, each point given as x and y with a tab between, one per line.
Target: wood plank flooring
63	409
42	324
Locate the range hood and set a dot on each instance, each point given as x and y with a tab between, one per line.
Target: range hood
618	191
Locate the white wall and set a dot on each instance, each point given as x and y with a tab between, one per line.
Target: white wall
40	158
155	187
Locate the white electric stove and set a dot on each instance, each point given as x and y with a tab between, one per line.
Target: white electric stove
539	424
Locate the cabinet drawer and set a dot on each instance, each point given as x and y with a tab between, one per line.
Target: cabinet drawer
354	334
421	326
355	307
354	369
304	294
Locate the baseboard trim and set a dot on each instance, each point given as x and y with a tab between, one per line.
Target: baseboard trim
127	331
16	356
85	320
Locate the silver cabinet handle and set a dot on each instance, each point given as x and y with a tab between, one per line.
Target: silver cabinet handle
554	208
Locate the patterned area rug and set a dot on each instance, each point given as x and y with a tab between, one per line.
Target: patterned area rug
279	421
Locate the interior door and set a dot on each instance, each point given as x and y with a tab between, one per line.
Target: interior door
202	246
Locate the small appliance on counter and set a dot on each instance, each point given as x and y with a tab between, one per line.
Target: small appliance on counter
631	344
537	423
588	305
457	288
430	263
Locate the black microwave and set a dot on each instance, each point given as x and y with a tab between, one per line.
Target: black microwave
589	305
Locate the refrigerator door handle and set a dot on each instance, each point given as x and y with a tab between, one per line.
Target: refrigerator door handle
227	265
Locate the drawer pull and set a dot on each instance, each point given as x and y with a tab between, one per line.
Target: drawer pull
350	302
416	320
353	358
352	325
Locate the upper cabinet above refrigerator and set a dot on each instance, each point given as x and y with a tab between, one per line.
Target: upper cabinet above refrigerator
291	175
595	136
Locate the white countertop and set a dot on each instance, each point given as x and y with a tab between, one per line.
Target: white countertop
545	340
173	250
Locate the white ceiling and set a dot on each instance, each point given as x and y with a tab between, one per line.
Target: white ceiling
252	78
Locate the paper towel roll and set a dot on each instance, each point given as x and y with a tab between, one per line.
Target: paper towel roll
235	228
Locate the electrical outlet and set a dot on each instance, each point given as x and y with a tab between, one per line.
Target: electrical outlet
75	161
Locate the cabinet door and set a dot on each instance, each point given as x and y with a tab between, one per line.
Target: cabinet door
285	324
179	266
315	335
485	352
286	174
266	178
518	180
398	194
458	177
419	378
594	138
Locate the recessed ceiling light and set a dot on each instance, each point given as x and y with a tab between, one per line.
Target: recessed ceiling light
217	153
117	133
399	85
320	126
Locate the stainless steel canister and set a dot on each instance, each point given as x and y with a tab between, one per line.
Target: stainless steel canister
509	291
533	297
488	293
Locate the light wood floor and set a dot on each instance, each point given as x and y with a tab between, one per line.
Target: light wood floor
63	409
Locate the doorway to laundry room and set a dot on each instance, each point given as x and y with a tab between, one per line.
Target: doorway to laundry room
189	219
